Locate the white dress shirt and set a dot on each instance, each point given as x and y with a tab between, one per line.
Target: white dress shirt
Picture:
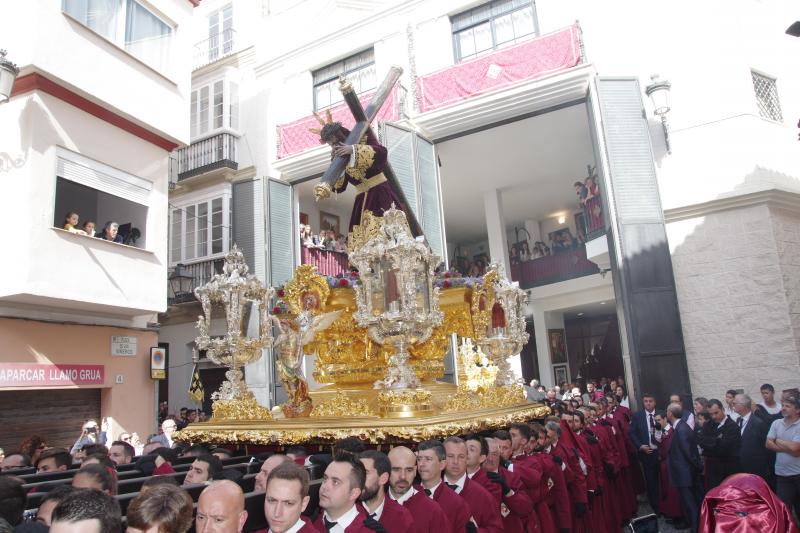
433	490
344	521
459	483
377	512
405	497
745	420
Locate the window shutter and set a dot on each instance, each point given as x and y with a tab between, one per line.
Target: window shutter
281	233
429	194
244	235
80	169
400	144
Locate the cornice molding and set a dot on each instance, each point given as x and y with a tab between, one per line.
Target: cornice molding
774	198
303	164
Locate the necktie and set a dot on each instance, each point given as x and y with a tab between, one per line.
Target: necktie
428	492
452	486
328	524
652	428
740	421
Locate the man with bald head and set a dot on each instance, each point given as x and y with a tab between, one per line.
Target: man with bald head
267	467
428	515
220	508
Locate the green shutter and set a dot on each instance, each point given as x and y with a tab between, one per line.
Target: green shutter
429	194
281	233
400	144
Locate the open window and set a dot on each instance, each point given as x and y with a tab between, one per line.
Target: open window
101	194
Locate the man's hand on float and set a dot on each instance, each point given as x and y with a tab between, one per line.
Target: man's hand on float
321	191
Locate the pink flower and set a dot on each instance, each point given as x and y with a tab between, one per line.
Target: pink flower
446	284
344	283
276	310
280	293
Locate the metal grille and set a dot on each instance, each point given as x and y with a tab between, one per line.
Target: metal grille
767	97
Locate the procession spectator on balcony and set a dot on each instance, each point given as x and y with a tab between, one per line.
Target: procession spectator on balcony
15	461
513	255
582	191
592	187
32	446
89	228
306	237
111	233
341	244
71	223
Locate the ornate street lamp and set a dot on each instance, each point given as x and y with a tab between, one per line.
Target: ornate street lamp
8	73
396	299
237	292
658	91
180	284
499	317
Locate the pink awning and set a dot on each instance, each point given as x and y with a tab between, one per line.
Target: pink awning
525	61
295	136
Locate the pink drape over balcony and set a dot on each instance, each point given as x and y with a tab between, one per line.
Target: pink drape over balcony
328	262
295	136
528	60
553	268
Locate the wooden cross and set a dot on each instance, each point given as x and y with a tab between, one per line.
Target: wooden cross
363	119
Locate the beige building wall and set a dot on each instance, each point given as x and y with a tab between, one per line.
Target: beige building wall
738	285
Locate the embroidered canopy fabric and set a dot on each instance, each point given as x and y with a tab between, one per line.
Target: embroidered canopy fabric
532	59
295	136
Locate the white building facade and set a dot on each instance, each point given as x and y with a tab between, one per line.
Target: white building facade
685	278
98	106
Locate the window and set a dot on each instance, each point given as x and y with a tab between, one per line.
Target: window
767	97
128	24
101	194
491	26
359	69
220	33
214	107
199	229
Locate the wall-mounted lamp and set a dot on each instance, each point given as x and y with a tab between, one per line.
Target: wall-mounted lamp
8	73
562	219
658	91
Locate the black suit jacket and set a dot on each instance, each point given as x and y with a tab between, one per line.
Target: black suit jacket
755	457
639	434
683	460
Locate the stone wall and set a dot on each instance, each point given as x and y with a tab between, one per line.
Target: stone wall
737	274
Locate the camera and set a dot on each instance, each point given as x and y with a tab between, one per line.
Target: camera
91	430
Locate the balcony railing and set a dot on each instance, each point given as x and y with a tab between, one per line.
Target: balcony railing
214	48
209	154
295	137
201	273
562	266
328	262
528	60
593	215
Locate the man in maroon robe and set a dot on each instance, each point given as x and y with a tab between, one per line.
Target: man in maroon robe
428	516
477	452
431	459
287	497
392	515
364	171
558	499
515	507
342	486
487	517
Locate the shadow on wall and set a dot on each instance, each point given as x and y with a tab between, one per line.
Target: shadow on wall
738	281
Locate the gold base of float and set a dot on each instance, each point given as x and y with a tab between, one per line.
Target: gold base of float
378	417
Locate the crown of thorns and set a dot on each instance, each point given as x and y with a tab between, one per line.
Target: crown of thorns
328	126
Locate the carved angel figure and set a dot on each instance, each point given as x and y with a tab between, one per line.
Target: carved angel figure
292	337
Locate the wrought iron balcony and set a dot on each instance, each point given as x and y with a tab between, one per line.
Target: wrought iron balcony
219	151
214	48
200	274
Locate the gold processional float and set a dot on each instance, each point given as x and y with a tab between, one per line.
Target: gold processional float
380	337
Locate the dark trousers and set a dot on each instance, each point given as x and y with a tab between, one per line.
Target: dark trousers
690	504
789	491
651	470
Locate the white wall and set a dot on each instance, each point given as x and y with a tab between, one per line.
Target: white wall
75	56
64	269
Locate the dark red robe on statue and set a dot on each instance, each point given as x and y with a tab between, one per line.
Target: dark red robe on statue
744	503
375	194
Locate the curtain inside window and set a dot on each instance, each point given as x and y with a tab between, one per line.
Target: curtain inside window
146	36
98	15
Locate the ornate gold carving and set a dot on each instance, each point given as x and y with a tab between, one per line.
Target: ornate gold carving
245	408
466	400
374	430
342	406
369	228
365	158
482	302
305	284
404	403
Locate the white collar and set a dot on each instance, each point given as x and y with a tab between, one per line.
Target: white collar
473	474
378	510
650	413
460	482
296	527
745	418
433	489
405	497
344	521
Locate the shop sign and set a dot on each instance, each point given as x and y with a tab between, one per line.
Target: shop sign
123	346
45	375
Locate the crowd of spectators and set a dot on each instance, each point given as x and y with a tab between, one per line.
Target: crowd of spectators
580	469
325	240
110	231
